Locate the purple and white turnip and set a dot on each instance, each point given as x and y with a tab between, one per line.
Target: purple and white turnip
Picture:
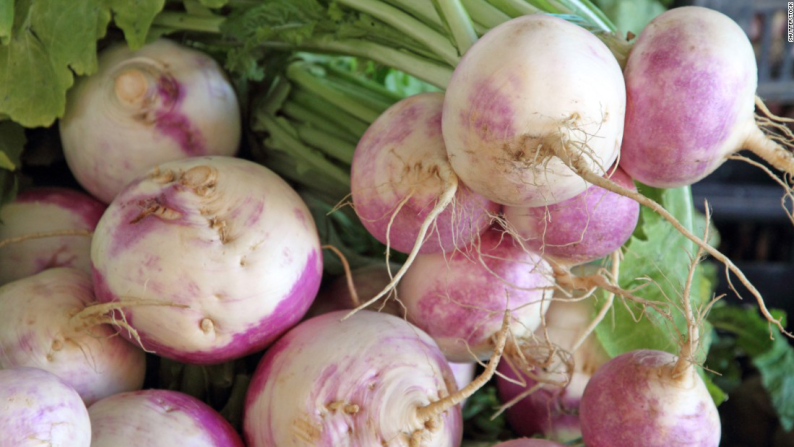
37	408
141	108
210	258
39	211
47	322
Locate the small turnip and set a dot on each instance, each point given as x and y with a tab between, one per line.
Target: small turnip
39	211
225	245
142	108
37	408
46	322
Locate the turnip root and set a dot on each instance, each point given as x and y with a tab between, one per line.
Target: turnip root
158	418
582	229
459	299
42	326
551	410
368	281
532	90
160	103
401	174
390	386
225	241
37	408
691	80
39	211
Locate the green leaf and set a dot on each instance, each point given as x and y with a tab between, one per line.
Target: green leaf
12	141
134	17
6	20
213	3
773	358
51	41
656	251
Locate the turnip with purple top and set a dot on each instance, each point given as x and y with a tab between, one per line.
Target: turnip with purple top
48	322
225	246
141	108
39	211
37	408
158	418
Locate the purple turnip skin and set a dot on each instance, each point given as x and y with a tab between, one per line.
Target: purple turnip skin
158	418
37	408
41	210
226	237
357	382
402	154
522	89
551	411
581	229
634	401
690	79
526	442
460	302
37	330
160	103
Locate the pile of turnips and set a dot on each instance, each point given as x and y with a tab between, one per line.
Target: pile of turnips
496	189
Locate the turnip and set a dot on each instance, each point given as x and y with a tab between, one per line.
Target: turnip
37	212
158	418
225	242
582	229
458	299
549	409
367	281
372	379
47	322
401	177
37	408
652	398
141	108
691	80
531	95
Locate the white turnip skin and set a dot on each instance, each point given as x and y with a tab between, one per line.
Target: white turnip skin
160	103
226	239
401	159
531	89
691	80
634	401
526	442
39	328
358	382
37	408
44	210
158	418
553	411
459	298
581	229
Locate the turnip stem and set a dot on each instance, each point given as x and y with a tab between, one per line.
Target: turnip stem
450	181
44	234
486	14
576	161
460	25
434	409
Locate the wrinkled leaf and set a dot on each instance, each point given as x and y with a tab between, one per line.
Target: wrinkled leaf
135	17
6	20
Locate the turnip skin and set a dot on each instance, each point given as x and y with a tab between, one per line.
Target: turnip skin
459	302
224	236
380	363
522	89
526	442
160	103
37	330
158	418
38	408
553	411
690	79
402	154
633	400
41	210
581	229
369	280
